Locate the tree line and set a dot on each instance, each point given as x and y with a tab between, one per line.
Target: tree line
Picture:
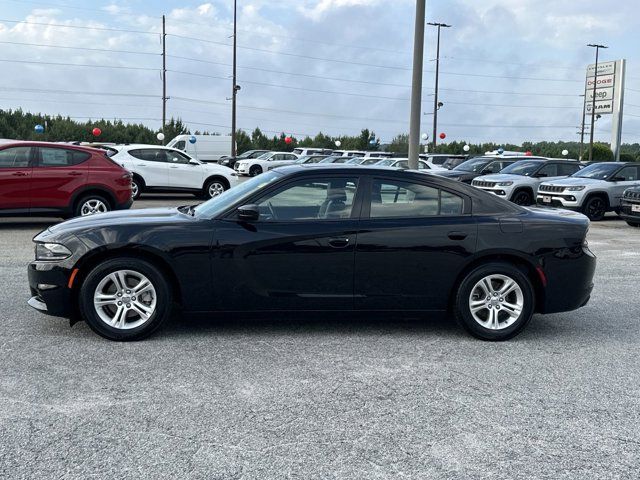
20	125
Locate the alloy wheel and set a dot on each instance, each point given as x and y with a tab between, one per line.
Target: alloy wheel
125	299
496	302
93	206
215	189
596	208
134	189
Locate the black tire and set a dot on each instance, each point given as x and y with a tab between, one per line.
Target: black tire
137	187
462	310
92	201
90	314
595	208
633	224
522	197
213	185
255	170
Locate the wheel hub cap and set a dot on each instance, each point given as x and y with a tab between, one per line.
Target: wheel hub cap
496	301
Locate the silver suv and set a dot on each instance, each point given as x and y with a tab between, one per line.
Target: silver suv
519	181
594	190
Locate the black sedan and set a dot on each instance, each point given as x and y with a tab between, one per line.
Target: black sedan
475	167
318	238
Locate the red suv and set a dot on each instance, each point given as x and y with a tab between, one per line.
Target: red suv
49	179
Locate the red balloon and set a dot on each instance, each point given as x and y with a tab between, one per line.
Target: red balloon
528	153
443	136
96	132
287	140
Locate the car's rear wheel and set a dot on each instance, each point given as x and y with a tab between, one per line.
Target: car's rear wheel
255	170
522	197
91	205
214	187
495	301
595	208
125	299
137	185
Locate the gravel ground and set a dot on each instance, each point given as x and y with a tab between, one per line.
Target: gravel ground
324	398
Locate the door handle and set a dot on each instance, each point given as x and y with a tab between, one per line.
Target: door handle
141	164
173	166
75	174
19	174
338	242
457	235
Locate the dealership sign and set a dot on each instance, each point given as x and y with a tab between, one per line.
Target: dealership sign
604	95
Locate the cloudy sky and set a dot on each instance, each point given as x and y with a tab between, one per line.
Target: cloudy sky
511	70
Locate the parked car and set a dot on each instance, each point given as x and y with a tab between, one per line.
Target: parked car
452	162
594	190
249	154
401	163
164	169
519	181
437	160
312	238
475	167
630	206
310	159
50	179
337	159
348	153
206	148
303	152
266	161
379	154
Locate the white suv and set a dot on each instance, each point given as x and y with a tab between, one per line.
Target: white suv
519	181
163	169
266	161
594	190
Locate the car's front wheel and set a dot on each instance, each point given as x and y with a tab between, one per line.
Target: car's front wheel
522	197
125	299
214	187
595	208
137	185
255	170
495	301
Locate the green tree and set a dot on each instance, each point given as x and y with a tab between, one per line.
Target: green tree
243	142
601	153
400	144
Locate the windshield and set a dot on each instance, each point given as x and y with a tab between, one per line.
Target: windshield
523	167
217	205
473	165
354	160
328	160
304	159
597	171
385	163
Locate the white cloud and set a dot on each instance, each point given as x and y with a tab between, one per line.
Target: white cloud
323	7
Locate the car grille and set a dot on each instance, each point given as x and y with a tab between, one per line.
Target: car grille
551	188
482	183
631	195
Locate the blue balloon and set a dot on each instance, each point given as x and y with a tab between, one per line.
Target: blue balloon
372	141
39	128
192	139
501	151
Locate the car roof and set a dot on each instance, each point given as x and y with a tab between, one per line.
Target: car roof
31	143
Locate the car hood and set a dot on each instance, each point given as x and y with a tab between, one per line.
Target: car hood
502	177
143	216
571	181
454	173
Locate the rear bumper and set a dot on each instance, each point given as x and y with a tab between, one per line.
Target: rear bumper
569	276
124	205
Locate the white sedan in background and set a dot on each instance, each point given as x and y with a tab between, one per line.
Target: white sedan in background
163	169
266	161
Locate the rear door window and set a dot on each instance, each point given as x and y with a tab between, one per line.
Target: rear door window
16	157
567	169
150	154
61	157
397	199
549	170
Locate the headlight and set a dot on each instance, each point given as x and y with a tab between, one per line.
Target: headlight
575	189
51	251
504	184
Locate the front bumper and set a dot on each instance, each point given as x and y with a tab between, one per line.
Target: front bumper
502	192
568	200
241	169
50	293
627	213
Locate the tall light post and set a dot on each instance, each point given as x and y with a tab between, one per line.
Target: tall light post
416	86
436	105
235	87
593	100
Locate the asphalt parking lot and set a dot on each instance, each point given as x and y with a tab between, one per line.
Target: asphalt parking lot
324	397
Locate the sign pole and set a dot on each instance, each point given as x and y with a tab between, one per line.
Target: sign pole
618	104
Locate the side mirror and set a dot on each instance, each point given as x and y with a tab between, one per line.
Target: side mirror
486	171
248	213
194	162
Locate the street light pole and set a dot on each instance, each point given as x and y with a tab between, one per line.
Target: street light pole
235	87
164	74
593	100
435	98
416	86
